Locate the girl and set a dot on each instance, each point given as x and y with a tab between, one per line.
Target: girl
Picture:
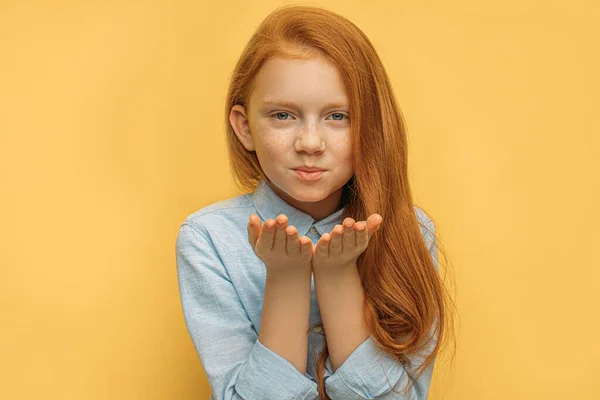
325	237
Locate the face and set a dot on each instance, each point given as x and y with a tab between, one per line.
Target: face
298	116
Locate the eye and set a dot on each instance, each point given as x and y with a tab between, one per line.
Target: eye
281	113
338	116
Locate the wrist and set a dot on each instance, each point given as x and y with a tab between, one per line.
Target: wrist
330	271
293	274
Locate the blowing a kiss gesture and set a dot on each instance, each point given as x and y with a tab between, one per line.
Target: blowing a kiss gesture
337	251
283	251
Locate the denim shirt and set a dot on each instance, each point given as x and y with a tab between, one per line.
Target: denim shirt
221	283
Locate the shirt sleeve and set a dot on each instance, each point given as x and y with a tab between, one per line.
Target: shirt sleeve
237	364
371	373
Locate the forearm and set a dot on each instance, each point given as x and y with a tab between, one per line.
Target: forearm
340	297
285	316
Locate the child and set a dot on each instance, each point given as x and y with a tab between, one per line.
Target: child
341	249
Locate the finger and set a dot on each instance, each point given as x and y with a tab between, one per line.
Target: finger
361	234
373	223
349	241
322	249
255	225
307	247
292	246
280	239
337	234
251	237
266	236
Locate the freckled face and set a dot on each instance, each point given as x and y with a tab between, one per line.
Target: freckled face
298	114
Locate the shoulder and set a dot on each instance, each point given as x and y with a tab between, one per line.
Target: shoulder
219	218
215	238
426	226
425	222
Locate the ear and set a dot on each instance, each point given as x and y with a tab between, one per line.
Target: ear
241	127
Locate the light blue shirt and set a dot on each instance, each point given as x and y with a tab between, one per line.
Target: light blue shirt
221	283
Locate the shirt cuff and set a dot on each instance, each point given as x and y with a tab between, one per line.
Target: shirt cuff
268	375
368	372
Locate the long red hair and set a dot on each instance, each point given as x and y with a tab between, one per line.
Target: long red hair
406	301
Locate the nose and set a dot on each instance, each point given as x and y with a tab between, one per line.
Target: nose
309	140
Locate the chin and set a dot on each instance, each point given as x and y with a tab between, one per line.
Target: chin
308	195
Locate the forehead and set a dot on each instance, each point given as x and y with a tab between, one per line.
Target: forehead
299	80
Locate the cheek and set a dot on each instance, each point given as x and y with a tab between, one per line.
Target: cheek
342	146
275	140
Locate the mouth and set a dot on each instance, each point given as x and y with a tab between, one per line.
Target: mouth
308	169
309	175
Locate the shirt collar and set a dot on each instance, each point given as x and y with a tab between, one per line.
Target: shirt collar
269	205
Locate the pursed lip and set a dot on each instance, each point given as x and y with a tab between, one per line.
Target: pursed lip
309	169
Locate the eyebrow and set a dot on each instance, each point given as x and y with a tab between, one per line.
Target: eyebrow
285	103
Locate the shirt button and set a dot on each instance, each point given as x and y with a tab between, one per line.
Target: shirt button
313	230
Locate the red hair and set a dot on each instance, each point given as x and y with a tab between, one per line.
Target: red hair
405	298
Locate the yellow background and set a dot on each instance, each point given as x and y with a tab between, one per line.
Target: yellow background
111	133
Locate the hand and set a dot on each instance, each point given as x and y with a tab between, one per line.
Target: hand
339	250
279	246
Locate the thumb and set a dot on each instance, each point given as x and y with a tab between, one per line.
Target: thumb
373	223
253	230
